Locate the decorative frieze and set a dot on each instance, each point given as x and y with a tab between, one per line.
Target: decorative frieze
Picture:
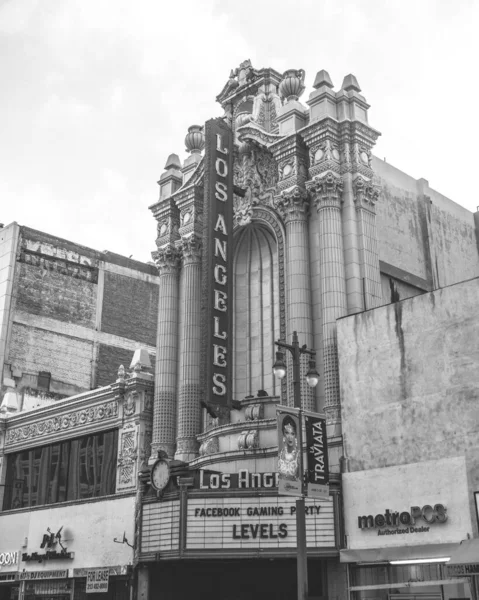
74	420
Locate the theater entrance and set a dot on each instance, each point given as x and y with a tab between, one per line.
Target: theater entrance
245	579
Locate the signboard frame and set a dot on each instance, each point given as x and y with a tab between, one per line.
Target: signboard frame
217	264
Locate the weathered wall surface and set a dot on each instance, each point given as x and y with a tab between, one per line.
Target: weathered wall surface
52	293
8	249
410	382
77	313
422	231
92	545
455	255
109	360
400	228
130	307
68	359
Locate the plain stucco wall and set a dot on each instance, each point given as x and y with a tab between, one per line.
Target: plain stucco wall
88	531
410	381
421	231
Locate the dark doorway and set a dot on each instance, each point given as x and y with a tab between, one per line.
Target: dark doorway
257	579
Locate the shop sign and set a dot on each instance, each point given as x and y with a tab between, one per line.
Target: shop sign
8	558
41	575
317	464
97	580
49	541
404	522
463	570
242	480
218	261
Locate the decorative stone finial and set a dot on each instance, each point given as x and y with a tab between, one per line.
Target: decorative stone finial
292	85
322	78
350	83
173	162
195	139
121	374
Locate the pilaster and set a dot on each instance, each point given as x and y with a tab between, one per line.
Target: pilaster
136	407
295	203
189	383
326	192
164	409
365	197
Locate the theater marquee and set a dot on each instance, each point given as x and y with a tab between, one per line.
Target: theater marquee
235	523
217	261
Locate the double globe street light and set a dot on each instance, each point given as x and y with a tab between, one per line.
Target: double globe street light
312	377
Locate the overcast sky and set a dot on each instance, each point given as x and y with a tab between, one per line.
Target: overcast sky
97	93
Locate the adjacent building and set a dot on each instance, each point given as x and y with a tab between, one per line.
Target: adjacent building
280	220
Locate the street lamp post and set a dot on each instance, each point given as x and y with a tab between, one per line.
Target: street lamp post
312	377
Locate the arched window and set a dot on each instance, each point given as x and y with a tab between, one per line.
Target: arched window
256	322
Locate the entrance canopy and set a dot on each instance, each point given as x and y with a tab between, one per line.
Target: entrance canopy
467	552
400	553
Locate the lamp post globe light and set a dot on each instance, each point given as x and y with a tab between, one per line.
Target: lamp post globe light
312	378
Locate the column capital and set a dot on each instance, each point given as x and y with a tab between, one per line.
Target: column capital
365	194
167	260
295	203
326	191
190	248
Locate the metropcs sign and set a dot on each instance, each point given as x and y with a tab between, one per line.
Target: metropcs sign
217	260
416	520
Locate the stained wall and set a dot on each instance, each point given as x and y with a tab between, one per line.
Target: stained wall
410	383
75	313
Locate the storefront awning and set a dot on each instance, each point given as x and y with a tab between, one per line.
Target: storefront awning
372	555
467	552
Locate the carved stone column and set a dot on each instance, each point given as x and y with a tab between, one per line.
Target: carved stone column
298	289
189	396
164	409
365	198
326	192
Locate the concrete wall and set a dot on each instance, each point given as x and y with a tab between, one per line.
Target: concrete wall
410	382
423	232
88	531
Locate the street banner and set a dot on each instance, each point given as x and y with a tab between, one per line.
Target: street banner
317	466
97	580
289	449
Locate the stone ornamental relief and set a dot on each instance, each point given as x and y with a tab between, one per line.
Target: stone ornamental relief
127	458
74	420
255	172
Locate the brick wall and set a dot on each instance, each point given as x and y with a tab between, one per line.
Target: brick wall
109	359
68	359
52	293
130	308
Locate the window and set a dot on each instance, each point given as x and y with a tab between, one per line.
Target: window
81	468
44	378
